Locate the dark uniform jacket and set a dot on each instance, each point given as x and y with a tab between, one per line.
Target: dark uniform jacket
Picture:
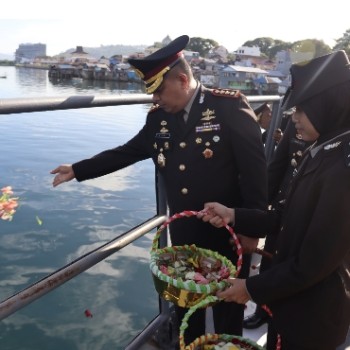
308	285
285	160
218	156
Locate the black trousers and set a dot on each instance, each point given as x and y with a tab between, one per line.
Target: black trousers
286	345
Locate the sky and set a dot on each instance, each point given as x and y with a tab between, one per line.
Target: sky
65	24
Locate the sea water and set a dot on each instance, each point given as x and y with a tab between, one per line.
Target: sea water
54	226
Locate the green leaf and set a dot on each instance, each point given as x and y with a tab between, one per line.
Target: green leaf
38	220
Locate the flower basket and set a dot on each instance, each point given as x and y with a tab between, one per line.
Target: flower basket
213	341
185	275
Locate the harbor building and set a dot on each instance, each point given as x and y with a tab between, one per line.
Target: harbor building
27	52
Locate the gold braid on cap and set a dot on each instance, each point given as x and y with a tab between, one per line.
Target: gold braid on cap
156	80
139	73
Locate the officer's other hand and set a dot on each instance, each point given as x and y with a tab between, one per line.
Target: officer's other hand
64	173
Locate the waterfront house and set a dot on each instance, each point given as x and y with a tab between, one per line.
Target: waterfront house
62	71
97	71
80	56
240	78
244	51
266	85
219	53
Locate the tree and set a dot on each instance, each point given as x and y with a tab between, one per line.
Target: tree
343	43
318	47
263	43
269	47
279	45
203	46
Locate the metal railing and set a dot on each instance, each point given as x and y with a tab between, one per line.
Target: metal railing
64	274
76	267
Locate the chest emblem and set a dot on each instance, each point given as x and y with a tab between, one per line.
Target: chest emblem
208	115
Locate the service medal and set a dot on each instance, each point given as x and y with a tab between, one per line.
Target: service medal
161	160
207	153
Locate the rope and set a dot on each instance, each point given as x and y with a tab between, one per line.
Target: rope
278	344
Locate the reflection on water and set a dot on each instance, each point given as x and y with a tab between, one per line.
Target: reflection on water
76	218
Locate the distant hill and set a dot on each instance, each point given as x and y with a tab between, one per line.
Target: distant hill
98	52
110	50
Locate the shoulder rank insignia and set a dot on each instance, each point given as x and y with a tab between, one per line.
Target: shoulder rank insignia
347	154
331	145
153	108
226	93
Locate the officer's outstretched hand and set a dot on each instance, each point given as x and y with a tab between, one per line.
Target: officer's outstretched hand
64	173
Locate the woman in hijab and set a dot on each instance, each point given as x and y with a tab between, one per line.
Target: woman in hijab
307	288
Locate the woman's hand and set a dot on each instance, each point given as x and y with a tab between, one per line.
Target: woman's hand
217	214
237	292
249	244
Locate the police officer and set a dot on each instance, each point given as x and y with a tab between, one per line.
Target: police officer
206	145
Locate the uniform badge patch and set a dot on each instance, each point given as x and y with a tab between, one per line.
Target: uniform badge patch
208	115
226	93
208	127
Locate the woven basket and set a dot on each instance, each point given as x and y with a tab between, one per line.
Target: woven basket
187	293
209	341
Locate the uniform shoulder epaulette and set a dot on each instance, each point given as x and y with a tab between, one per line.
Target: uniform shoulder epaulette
347	154
226	93
153	108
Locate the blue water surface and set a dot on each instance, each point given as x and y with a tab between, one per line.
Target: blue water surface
75	219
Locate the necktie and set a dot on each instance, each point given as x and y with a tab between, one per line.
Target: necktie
180	118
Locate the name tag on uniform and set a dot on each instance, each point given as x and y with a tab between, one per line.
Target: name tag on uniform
165	135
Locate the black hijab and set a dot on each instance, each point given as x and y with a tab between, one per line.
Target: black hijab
329	111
